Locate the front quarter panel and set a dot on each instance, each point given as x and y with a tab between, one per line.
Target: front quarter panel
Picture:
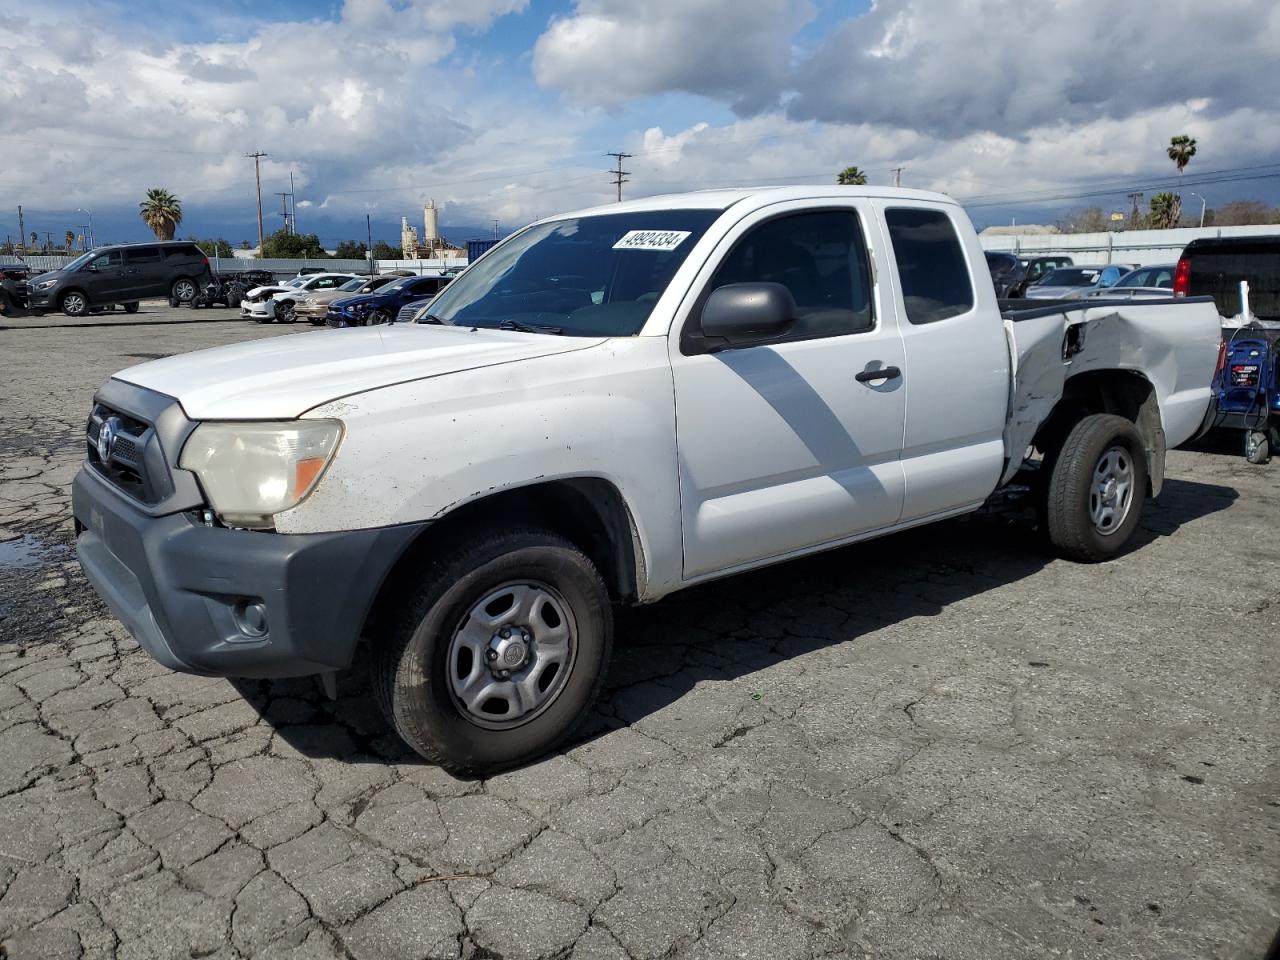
414	451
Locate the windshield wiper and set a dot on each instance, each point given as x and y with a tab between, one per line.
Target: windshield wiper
523	327
432	318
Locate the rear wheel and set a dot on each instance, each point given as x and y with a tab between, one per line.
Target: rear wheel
131	307
182	291
1096	487
74	303
499	655
1257	446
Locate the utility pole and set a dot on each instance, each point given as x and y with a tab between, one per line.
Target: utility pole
1135	198
22	228
293	206
368	227
257	155
495	228
619	175
284	209
897	176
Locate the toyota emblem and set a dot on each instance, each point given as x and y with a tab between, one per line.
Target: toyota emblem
107	438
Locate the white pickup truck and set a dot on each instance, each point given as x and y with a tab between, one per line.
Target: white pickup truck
607	407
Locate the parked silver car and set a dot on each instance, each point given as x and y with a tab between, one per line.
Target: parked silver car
1145	283
1071	283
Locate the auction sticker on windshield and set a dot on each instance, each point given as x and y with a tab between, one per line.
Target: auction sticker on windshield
651	240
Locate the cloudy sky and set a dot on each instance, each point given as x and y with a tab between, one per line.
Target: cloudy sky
504	108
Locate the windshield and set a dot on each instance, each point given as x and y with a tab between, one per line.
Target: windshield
394	284
81	260
355	284
295	282
588	276
1071	277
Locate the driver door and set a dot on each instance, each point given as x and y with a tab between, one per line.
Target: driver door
106	278
782	445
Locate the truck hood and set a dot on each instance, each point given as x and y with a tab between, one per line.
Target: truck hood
283	377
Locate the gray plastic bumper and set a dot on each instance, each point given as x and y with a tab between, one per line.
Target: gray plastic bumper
196	597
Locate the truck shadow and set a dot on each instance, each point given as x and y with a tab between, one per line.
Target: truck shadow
743	624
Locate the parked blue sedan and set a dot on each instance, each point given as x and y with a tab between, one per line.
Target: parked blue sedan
382	305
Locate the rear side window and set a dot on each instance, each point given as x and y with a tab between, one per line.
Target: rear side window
931	264
184	252
144	255
821	258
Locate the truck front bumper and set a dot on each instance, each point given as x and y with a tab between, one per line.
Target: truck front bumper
232	603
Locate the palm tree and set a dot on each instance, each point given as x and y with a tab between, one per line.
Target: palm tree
70	239
1166	211
851	177
1181	150
162	212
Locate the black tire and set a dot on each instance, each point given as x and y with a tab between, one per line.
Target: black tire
1257	447
74	303
411	660
377	317
131	307
285	312
233	300
183	291
1072	472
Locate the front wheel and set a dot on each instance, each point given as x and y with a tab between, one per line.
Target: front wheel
74	303
377	317
285	312
1095	490
131	307
500	654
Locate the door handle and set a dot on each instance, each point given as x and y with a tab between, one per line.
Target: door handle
884	373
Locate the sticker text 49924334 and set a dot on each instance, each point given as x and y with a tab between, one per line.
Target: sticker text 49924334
651	240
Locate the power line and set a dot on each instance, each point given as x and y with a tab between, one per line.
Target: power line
620	175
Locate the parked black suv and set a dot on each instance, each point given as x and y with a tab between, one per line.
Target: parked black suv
125	274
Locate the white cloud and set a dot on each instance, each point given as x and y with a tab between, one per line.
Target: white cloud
611	51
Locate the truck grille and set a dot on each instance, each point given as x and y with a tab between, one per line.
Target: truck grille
121	456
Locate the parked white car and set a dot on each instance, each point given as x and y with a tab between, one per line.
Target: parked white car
277	302
1153	282
607	407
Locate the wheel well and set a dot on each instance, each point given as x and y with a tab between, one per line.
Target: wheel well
1124	393
587	511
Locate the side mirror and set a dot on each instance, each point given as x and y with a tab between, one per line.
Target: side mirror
743	313
91	268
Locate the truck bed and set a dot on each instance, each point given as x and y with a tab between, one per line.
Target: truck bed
1172	343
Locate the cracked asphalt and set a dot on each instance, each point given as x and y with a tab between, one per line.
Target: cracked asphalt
938	745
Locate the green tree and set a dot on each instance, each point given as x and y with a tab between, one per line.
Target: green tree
293	246
851	177
162	212
213	248
384	251
1166	211
1181	149
351	250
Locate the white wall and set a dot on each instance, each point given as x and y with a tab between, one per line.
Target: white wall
1139	247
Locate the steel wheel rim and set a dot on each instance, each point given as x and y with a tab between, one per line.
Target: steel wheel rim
1111	490
186	290
73	303
537	654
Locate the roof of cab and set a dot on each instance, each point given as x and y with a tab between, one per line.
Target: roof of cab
725	197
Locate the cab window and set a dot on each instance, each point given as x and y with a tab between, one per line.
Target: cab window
821	258
108	260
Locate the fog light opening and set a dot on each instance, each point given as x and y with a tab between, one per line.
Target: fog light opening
251	618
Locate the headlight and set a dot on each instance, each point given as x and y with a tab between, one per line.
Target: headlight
253	470
45	284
